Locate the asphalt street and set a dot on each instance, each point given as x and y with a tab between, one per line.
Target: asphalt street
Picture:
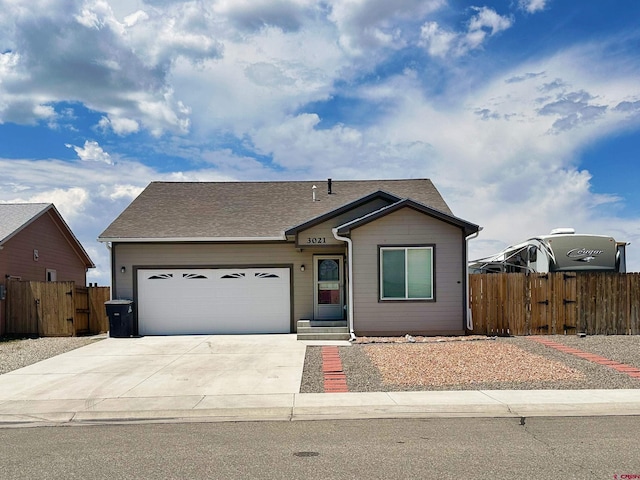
458	448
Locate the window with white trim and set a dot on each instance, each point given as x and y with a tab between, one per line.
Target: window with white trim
51	275
406	273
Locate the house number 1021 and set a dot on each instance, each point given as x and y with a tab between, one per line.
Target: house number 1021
316	240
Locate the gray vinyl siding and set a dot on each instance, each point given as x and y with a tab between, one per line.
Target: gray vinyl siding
132	255
445	315
323	230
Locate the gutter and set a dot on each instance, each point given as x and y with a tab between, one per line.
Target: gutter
352	336
466	263
191	239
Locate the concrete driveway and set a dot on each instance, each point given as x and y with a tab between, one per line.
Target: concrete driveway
175	372
237	378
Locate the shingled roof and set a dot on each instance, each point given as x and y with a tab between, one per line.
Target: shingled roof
15	216
247	210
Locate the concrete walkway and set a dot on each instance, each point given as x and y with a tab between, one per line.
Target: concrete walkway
240	378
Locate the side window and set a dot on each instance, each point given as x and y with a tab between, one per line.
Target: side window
406	273
52	275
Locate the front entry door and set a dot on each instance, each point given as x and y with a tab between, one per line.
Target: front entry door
329	287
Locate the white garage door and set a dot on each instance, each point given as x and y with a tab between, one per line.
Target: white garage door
210	301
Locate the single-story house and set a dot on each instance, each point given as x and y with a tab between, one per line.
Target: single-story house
382	257
37	244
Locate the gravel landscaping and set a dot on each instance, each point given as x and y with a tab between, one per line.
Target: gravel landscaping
18	353
466	363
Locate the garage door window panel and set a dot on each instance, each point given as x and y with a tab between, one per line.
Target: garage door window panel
267	275
193	276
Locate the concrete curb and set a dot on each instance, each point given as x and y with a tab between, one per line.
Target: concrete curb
341	406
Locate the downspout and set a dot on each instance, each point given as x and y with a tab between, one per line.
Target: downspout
111	268
352	336
466	262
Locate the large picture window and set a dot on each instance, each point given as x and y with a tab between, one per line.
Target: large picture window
406	273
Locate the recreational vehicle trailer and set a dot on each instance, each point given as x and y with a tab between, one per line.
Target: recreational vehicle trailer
561	251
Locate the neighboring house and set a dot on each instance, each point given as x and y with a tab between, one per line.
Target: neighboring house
384	257
37	244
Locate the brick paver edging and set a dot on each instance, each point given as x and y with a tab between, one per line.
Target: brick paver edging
592	357
335	381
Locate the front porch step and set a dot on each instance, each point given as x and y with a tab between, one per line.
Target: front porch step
322	330
323	336
322	323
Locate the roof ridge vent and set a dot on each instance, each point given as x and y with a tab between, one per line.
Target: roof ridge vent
563	231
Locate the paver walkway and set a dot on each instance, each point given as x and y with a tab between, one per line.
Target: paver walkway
592	357
335	380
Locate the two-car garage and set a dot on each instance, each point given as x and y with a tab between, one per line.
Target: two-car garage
183	301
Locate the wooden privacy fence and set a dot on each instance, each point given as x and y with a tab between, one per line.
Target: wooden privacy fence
55	309
555	303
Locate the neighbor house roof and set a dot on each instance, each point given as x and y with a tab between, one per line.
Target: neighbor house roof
175	211
15	217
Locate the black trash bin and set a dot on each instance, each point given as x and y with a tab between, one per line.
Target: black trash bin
120	313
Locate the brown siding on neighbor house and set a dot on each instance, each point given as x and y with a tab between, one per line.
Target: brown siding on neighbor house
3	282
54	252
220	254
323	230
408	227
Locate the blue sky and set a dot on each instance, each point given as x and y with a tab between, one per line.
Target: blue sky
524	113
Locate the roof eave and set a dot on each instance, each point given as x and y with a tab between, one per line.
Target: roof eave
80	251
467	227
71	238
281	238
340	210
45	208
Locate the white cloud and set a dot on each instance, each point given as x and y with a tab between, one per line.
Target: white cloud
485	22
532	6
92	152
438	42
44	111
120	126
253	15
367	24
70	202
260	80
72	51
89	19
138	16
118	192
441	42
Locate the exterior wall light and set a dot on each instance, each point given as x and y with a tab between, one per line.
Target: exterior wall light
123	269
302	268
